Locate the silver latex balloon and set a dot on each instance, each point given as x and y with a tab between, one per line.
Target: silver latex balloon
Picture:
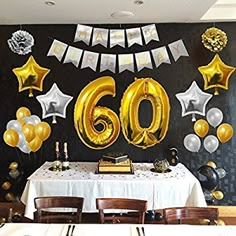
24	148
192	142
214	116
14	124
22	140
193	101
208	195
54	103
14	173
33	119
221	172
211	143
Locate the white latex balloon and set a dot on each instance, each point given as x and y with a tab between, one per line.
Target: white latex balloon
14	124
35	119
221	172
25	149
214	116
22	140
192	142
211	143
28	120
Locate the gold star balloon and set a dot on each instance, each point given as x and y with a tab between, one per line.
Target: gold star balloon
216	74
30	76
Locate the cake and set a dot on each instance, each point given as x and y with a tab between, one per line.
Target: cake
125	167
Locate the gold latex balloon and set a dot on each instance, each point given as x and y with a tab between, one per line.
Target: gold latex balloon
21	113
216	74
11	137
212	164
13	165
218	195
42	130
9	197
201	128
6	185
35	144
28	131
219	222
139	90
224	132
30	76
87	115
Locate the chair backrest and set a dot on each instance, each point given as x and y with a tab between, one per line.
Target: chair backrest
136	206
58	209
179	214
4	214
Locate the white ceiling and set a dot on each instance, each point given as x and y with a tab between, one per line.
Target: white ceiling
100	11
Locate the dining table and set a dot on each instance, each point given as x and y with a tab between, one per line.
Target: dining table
175	188
39	229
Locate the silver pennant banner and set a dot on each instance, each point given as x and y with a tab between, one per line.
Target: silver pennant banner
117	37
100	36
57	49
83	33
150	33
126	62
90	59
73	56
108	62
160	55
178	49
143	59
134	36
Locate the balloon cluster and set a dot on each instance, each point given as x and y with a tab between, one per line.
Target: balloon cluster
224	132
27	132
12	178
209	176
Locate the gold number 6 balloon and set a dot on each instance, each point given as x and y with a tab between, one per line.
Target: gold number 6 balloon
87	115
139	90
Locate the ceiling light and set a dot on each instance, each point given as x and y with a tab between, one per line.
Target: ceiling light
50	3
121	14
138	2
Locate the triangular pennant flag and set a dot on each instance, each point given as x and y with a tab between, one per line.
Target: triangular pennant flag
160	56
150	33
100	36
108	62
57	49
126	62
73	55
134	36
117	37
90	59
83	33
143	59
178	49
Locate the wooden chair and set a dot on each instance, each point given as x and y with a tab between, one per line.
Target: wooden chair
138	208
178	215
5	213
48	209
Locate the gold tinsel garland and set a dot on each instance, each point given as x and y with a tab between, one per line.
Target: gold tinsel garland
214	39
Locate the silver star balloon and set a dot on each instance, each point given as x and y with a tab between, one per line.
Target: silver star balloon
193	101
54	103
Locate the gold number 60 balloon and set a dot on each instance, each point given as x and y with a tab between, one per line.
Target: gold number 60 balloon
87	115
139	90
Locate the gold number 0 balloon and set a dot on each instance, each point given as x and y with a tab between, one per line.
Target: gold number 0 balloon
139	90
87	115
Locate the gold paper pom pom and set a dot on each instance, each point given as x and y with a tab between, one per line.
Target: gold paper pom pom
214	39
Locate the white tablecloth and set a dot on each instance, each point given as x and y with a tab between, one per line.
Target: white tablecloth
24	229
176	188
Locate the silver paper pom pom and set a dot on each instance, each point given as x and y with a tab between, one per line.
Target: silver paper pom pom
21	42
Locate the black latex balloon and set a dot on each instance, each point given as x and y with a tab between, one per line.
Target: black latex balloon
208	177
158	216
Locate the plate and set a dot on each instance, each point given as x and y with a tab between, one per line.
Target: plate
162	172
